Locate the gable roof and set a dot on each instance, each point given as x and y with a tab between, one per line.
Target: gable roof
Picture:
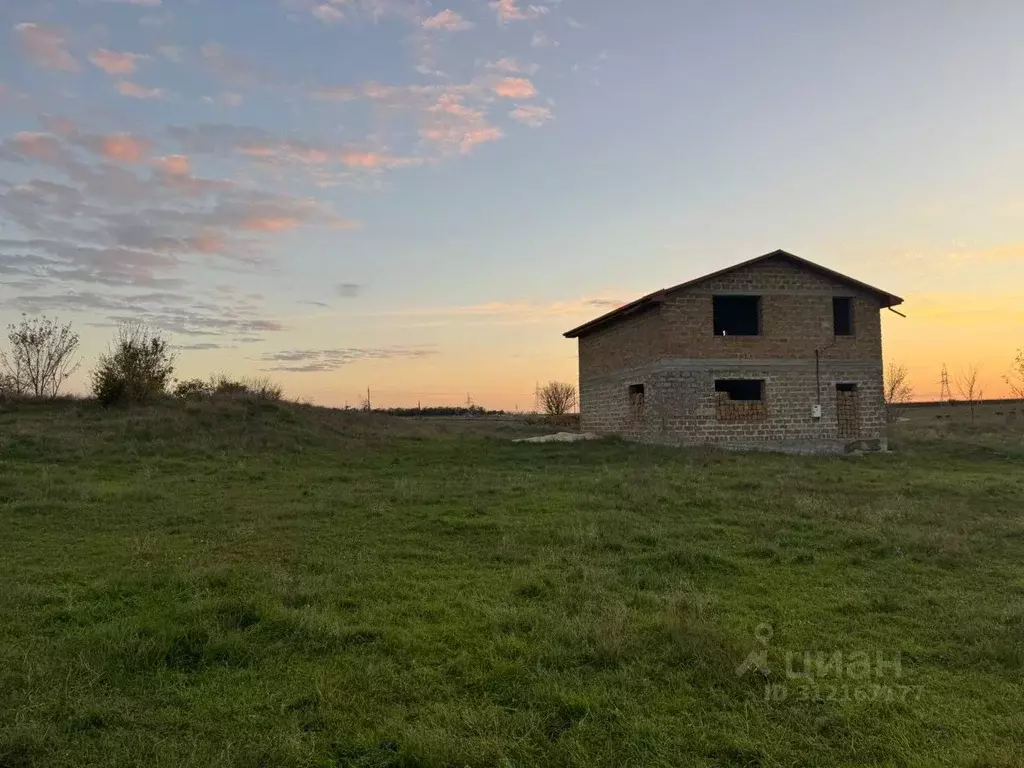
885	298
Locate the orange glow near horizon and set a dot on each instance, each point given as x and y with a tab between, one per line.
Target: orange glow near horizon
939	329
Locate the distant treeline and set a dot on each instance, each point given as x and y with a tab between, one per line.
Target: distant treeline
441	410
954	401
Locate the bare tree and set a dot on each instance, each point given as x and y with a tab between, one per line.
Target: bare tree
967	386
898	391
1015	379
557	398
41	357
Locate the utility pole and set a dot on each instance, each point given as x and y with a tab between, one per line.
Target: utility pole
369	405
945	395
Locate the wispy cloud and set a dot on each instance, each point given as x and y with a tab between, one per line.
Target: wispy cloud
541	40
46	47
327	13
451	125
318	360
173	165
517	312
203	346
29	144
447	20
116	62
136	91
510	10
534	117
271	151
348	290
510	66
122	221
336	11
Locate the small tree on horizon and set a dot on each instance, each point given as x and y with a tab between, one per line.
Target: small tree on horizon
41	357
557	398
1015	379
897	392
967	386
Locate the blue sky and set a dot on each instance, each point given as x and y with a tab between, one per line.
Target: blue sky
421	196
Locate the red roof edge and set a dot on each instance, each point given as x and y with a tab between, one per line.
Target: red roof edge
886	299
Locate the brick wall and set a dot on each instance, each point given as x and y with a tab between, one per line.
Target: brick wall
672	350
796	315
681	406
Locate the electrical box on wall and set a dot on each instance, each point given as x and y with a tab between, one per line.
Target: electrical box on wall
816	411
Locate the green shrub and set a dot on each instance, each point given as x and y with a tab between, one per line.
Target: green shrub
137	368
8	387
252	388
263	388
192	389
222	386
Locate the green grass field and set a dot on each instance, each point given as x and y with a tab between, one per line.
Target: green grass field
275	585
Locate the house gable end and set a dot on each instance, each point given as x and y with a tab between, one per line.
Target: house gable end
733	276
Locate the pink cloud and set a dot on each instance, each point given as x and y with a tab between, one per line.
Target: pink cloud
512	67
207	243
450	124
286	152
114	62
509	10
135	91
173	165
123	148
45	46
38	146
480	136
372	161
116	217
270	224
447	20
363	159
534	117
515	88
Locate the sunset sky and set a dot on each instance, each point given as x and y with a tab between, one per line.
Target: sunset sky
420	197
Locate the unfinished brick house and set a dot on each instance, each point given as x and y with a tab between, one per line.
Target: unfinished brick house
775	353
